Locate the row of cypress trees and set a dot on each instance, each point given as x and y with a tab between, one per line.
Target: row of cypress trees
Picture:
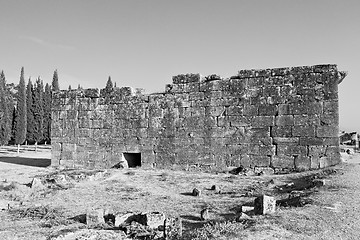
26	116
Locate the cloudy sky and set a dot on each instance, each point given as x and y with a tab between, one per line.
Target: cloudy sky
144	43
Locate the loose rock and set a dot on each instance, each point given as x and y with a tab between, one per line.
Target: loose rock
36	184
215	188
154	219
204	214
95	217
319	182
121	219
196	192
242	217
264	205
245	209
237	170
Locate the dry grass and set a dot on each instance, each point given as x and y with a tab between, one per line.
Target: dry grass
139	190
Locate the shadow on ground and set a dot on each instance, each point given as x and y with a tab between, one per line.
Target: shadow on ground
34	162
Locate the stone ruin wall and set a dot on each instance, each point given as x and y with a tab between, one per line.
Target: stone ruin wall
281	119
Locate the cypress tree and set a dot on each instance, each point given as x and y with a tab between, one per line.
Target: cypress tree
30	131
21	125
5	116
47	113
55	82
38	110
13	124
109	86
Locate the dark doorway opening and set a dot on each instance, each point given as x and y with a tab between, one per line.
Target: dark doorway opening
133	159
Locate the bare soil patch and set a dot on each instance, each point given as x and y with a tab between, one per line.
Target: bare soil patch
321	212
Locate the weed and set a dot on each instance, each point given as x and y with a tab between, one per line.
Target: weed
49	216
215	231
7	187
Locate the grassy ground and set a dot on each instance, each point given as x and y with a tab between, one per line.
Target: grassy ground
332	212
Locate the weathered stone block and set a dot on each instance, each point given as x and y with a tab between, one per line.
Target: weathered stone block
262	121
121	219
327	131
235	111
291	150
268	110
264	205
332	141
314	162
214	111
250	110
303	131
308	141
331	107
192	87
284	120
186	78
281	131
259	161
196	192
307	120
286	140
330	119
271	91
266	150
282	161
239	121
280	71
302	163
154	219
194	96
317	151
255	82
95	217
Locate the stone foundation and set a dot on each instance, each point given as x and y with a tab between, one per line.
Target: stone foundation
284	118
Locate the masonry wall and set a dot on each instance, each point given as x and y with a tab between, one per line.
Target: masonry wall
284	119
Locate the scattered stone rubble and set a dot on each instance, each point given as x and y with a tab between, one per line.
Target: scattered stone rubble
153	225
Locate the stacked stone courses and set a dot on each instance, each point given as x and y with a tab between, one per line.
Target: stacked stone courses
281	119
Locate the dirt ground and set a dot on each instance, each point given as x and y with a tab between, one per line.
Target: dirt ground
327	212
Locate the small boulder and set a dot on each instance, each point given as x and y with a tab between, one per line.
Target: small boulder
196	192
121	219
36	184
264	171
154	219
264	205
319	182
237	170
60	179
4	205
215	188
245	209
95	217
204	214
242	217
121	164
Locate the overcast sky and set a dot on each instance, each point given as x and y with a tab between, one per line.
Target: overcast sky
144	43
